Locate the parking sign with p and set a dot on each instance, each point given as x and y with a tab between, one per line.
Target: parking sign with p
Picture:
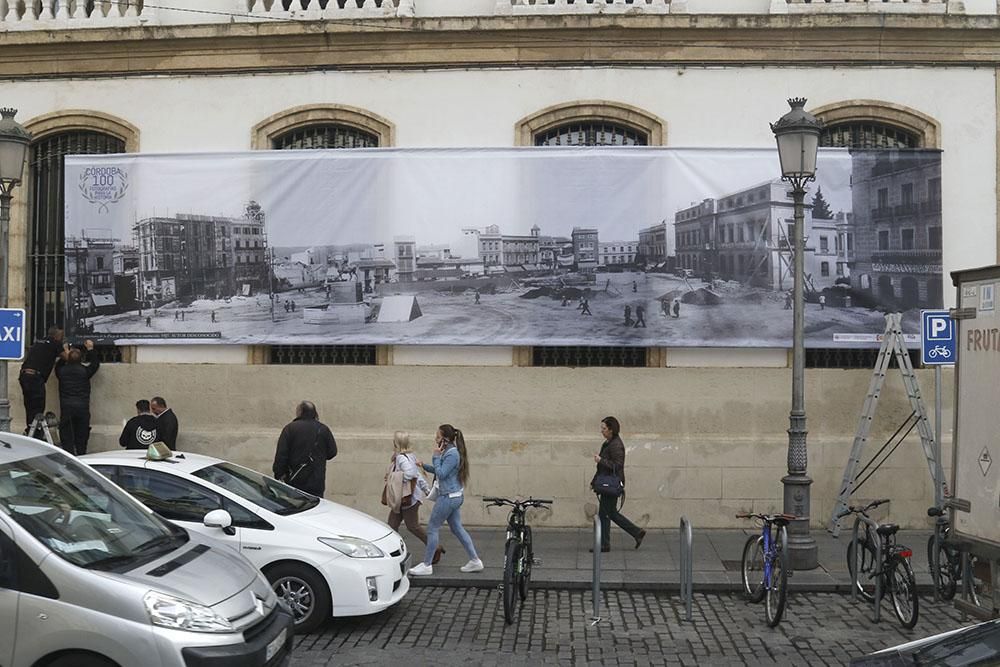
937	338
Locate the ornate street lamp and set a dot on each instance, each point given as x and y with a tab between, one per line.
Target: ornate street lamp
797	135
14	141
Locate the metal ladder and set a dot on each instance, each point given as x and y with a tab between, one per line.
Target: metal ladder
42	423
892	346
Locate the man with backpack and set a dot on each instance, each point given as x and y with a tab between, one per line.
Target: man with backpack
304	447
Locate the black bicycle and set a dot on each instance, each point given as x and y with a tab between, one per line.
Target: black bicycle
878	565
519	553
949	572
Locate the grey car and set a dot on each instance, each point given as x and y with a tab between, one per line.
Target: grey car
91	578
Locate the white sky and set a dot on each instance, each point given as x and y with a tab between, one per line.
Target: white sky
370	196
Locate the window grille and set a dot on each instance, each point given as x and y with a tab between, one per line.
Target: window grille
328	135
592	133
867	135
580	356
829	357
46	236
351	355
325	136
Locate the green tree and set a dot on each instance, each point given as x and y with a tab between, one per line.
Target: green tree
820	208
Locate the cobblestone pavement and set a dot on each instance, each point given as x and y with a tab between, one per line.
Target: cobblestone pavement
464	626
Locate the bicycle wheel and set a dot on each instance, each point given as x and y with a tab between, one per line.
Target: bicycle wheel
528	555
510	567
944	577
861	565
903	589
776	593
752	567
980	580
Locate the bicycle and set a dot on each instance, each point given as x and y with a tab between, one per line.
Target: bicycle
949	571
519	555
764	565
876	564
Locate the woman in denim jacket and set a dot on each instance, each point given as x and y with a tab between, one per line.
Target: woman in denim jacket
451	465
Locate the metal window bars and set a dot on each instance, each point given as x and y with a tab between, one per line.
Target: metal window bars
46	289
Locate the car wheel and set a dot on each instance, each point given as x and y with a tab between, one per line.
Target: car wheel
303	591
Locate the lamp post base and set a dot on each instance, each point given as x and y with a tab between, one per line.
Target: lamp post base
802	549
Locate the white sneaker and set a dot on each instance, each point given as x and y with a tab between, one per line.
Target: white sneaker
422	570
475	565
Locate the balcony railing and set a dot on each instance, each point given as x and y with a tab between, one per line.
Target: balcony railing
910	208
906	256
69	14
930	206
881	212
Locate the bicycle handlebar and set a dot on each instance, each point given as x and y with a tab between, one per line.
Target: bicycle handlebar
766	517
857	509
527	502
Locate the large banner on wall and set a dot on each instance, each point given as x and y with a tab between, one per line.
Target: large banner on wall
535	246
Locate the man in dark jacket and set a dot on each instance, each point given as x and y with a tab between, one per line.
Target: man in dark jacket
140	431
74	396
35	371
304	447
166	421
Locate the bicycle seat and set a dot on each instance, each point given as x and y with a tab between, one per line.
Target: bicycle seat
783	519
887	529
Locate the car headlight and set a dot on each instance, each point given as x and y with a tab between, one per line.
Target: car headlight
353	547
177	614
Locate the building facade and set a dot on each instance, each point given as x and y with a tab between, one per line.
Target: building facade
616	252
705	426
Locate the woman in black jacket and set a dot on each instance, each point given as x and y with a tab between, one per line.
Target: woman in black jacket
611	461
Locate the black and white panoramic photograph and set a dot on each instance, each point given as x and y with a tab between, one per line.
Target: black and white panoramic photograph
672	247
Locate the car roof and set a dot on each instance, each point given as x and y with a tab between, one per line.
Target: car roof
183	462
14	447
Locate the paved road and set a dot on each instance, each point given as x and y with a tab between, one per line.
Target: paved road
464	626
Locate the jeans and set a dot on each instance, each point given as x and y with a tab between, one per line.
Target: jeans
608	513
447	509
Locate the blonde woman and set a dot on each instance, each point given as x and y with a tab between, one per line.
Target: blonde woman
406	462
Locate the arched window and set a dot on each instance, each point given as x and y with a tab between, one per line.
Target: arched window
867	135
323	127
56	136
592	123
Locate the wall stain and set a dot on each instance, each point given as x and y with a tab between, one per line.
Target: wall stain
518	447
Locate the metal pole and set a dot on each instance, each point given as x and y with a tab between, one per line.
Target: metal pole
5	198
880	574
802	549
687	566
938	466
596	576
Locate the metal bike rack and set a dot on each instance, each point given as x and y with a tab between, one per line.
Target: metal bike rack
596	576
687	566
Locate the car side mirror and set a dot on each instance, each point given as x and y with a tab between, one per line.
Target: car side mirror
220	519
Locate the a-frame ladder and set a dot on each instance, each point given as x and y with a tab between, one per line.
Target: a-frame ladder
893	346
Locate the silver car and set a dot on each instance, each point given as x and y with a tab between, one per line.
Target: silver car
91	578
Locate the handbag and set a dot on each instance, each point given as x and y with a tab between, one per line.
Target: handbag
435	490
608	484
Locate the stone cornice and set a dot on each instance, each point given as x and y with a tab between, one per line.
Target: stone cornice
792	40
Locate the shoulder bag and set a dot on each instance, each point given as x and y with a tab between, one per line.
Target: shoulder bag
308	462
608	484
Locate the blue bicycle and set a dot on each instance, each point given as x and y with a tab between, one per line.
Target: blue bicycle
764	565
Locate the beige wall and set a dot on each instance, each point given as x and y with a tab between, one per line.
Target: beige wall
704	442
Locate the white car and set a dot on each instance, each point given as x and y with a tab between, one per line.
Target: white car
321	558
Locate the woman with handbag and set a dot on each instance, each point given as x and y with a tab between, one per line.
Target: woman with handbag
609	484
451	468
415	490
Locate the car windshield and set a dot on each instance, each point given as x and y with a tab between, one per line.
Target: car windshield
263	491
80	516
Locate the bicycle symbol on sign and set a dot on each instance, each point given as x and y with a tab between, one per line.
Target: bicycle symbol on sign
939	351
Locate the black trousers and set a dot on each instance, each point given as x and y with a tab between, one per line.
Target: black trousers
74	429
608	512
33	390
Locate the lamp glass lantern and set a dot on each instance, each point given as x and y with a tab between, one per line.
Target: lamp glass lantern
797	134
14	142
